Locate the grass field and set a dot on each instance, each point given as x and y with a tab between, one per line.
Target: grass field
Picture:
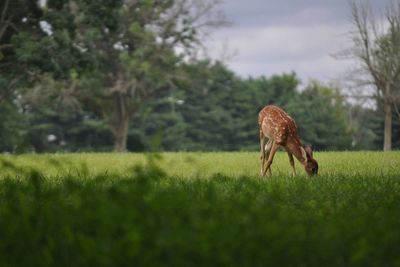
198	209
202	165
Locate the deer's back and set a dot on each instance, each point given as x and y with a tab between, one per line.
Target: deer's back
276	124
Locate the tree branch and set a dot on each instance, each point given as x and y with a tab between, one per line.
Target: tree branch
3	13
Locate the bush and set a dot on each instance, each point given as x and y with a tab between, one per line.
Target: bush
150	219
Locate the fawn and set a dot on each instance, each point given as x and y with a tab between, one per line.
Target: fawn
281	130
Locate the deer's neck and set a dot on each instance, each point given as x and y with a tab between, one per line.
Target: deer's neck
294	146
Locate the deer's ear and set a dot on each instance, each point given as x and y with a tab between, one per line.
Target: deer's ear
308	149
303	154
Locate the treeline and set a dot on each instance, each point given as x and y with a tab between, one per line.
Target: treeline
211	109
88	76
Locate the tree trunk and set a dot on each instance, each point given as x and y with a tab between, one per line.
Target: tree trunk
121	124
121	136
387	142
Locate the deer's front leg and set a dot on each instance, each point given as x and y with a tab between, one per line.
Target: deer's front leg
291	160
272	152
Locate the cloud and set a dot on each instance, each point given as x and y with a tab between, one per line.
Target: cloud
270	37
298	12
307	50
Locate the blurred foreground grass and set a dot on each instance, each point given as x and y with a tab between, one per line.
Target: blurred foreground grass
100	210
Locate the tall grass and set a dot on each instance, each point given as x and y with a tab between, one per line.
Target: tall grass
188	209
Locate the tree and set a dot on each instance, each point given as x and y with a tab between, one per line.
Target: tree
320	113
377	50
161	116
16	17
208	96
57	123
131	48
220	109
366	125
108	57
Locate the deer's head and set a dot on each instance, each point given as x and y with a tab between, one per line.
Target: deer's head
311	165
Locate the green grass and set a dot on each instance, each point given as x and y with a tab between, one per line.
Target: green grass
199	209
232	164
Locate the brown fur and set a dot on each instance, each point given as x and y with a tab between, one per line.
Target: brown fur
280	129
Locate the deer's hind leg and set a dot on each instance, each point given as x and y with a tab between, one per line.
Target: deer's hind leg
262	151
267	150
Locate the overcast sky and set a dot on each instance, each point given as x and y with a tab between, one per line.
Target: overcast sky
271	37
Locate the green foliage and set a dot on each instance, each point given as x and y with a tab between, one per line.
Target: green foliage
206	97
71	131
219	111
376	122
321	117
148	218
213	109
12	128
367	127
130	53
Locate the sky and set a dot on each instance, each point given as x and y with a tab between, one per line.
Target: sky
270	37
